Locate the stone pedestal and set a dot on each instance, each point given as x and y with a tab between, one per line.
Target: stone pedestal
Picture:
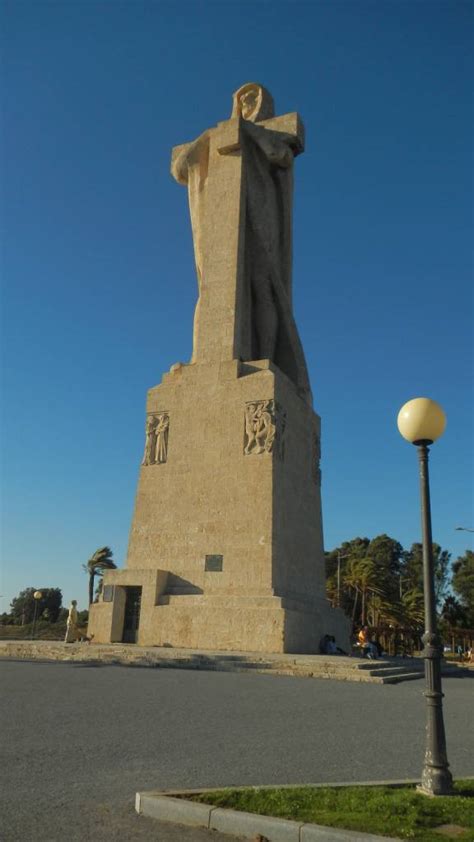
226	540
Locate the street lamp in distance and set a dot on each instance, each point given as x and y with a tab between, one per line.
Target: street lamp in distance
36	596
421	421
463	529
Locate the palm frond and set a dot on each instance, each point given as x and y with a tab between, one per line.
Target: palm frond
102	558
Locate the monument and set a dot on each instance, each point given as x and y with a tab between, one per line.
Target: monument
226	547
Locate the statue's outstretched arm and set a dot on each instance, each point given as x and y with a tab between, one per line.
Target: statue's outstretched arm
190	154
276	146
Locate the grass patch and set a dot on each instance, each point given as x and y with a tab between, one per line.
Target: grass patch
400	812
43	631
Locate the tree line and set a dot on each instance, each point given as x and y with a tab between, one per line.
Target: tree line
375	582
379	583
49	608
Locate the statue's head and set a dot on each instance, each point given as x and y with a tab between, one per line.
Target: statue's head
74	602
253	102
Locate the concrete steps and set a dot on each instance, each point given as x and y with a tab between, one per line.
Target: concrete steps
309	666
172	597
338	668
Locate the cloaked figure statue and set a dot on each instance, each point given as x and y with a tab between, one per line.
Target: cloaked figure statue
266	327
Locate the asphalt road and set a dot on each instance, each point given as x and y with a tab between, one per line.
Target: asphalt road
78	740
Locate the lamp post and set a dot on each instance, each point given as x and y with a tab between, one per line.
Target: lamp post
36	596
421	421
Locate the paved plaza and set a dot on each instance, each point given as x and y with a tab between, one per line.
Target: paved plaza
78	740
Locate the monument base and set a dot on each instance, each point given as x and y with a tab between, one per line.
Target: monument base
226	546
259	624
231	623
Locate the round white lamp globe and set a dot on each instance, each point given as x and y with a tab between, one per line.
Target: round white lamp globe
421	420
38	595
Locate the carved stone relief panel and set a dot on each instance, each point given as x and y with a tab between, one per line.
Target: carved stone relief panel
156	438
264	428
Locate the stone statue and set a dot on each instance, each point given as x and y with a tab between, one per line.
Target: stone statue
156	439
265	429
260	427
228	515
161	433
72	631
250	437
150	440
240	184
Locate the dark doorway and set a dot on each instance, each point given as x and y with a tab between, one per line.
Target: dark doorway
133	599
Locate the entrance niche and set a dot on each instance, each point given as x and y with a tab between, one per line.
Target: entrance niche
133	599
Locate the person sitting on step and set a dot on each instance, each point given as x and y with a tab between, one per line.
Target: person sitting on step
369	650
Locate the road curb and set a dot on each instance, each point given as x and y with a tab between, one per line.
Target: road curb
173	806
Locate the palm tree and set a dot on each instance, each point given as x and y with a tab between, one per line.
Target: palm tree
100	561
453	613
362	576
413	610
378	609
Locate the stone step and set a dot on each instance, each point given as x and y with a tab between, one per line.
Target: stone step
387	675
403	676
184	600
338	668
180	598
399	663
389	671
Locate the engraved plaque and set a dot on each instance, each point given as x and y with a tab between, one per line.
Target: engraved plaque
108	593
214	563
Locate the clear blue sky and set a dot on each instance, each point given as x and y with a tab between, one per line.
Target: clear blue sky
98	271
